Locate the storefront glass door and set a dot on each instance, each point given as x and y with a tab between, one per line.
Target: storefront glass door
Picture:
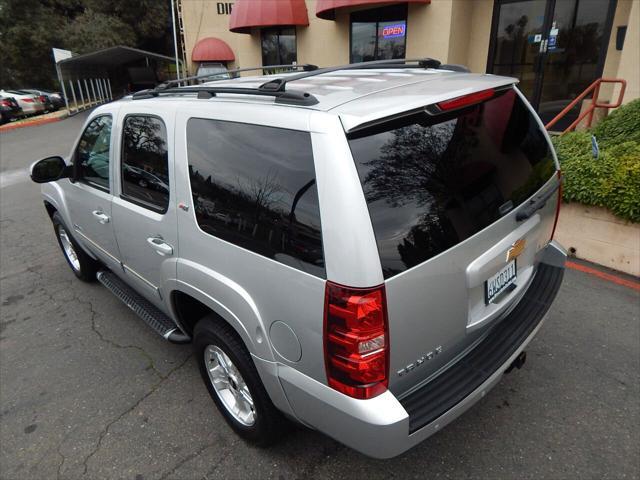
555	47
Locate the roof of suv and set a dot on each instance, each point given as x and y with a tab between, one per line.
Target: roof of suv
360	95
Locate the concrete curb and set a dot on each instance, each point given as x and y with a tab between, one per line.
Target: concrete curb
33	123
596	235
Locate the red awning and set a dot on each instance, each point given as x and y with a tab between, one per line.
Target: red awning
326	8
212	49
267	13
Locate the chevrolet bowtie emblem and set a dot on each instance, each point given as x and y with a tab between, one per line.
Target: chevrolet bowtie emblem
516	249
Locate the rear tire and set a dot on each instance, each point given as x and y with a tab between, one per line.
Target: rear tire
216	344
82	265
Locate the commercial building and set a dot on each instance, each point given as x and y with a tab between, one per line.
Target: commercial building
555	47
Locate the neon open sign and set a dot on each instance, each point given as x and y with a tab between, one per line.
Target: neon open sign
393	31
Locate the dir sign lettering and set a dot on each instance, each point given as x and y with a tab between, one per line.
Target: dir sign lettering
224	8
393	31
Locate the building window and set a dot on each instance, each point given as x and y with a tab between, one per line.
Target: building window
379	34
279	46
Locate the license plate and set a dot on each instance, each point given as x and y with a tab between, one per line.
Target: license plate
500	282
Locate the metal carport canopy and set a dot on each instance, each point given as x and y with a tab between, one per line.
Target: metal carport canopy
88	77
111	57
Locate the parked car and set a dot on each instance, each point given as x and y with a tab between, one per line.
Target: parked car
9	109
29	103
55	97
366	260
215	71
52	101
46	101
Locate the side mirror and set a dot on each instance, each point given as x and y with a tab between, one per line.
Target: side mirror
49	169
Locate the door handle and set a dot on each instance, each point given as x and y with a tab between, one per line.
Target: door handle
102	218
160	246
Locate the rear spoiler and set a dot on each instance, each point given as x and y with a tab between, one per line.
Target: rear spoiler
429	96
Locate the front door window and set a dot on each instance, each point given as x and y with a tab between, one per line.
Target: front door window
92	153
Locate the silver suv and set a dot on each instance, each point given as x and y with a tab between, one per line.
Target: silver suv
363	249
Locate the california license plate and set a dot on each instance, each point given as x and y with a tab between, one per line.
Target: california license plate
502	281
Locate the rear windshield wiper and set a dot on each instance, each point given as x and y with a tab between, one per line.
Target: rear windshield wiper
536	203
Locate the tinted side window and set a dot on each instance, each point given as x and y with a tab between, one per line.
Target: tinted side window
145	167
255	186
92	154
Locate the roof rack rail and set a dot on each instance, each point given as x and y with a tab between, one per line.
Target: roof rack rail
455	67
289	97
277	87
279	84
307	67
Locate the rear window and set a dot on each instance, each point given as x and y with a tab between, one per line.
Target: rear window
432	181
255	186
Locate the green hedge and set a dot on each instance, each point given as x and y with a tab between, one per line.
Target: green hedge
623	125
613	179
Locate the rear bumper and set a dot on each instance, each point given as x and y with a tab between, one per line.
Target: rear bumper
386	426
30	108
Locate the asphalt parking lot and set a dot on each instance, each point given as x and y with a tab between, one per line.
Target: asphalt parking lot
88	391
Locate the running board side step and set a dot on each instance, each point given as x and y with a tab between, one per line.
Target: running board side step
158	321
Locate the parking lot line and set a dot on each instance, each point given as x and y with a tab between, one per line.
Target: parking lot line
604	276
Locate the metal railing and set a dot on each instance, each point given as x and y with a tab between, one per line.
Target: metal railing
84	93
594	89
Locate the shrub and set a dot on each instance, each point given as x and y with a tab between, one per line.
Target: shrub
622	189
621	126
612	180
572	144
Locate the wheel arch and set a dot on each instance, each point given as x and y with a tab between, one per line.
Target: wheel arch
50	208
53	206
189	305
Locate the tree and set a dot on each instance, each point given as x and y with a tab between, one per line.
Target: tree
93	30
29	29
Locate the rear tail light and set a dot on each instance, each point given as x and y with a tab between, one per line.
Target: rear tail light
42	99
5	103
28	100
466	100
356	340
555	222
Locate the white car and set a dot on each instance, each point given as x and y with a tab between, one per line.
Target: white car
30	104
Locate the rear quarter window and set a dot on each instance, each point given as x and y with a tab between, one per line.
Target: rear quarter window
431	181
255	186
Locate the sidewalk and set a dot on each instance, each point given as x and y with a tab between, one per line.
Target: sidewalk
39	120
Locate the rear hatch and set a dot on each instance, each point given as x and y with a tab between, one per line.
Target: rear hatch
462	197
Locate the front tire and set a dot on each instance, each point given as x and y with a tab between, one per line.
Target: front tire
82	265
233	382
